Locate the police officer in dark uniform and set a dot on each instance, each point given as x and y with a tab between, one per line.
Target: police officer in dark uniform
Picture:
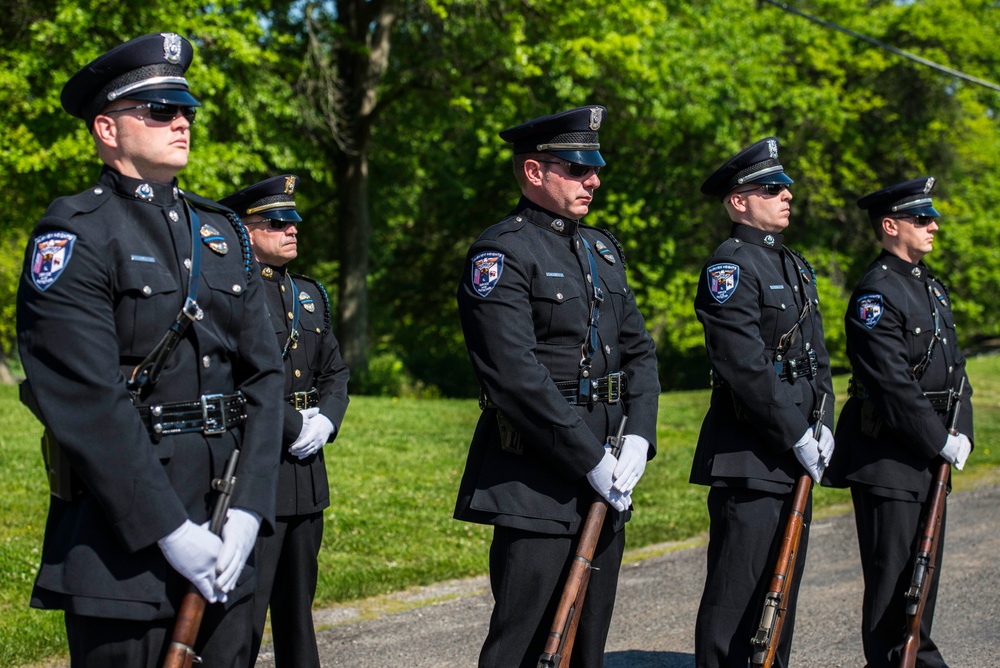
758	303
893	430
315	401
149	360
562	354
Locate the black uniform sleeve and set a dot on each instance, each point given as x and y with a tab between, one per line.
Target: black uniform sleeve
500	335
738	355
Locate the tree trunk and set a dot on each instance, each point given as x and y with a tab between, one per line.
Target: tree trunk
353	250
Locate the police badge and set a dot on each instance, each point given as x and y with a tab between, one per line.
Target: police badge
214	239
307	301
723	279
486	269
870	309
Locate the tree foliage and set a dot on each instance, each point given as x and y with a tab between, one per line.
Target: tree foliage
687	84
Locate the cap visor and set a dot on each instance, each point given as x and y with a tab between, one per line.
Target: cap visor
290	215
777	177
589	158
166	96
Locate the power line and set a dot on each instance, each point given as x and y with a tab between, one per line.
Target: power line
883	45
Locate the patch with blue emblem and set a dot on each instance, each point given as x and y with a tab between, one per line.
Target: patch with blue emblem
214	239
307	301
486	269
722	280
870	309
50	257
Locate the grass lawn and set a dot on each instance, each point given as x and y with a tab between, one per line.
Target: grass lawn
394	473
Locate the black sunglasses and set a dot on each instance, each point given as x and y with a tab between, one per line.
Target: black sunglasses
919	221
273	223
769	188
574	169
162	113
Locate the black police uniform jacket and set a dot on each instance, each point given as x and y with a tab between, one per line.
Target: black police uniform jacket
313	362
111	284
889	440
751	292
525	317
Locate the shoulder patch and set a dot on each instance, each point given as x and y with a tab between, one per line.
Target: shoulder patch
50	256
486	269
869	309
723	279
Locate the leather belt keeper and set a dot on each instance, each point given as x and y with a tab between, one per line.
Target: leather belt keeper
210	414
940	401
610	389
790	369
301	400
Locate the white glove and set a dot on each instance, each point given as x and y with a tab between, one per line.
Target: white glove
631	463
956	450
601	478
307	414
193	551
315	433
807	452
238	536
825	445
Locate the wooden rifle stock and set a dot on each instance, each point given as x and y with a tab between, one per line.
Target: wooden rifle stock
925	561
764	643
562	634
180	652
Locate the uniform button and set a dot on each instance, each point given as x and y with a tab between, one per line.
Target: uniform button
237	289
290	316
187	263
884	267
206	361
298	374
173	216
559	295
944	340
795	288
146	290
589	279
319	331
98	190
607	349
282	288
916	331
808	345
578	244
782	307
950	369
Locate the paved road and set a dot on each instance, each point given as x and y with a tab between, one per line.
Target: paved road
443	626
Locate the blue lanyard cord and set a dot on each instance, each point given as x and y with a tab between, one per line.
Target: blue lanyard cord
191	308
293	335
590	345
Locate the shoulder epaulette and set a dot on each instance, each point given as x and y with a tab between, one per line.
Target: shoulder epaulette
327	317
84	202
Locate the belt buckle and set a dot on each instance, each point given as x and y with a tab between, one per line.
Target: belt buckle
615	387
211	425
300	400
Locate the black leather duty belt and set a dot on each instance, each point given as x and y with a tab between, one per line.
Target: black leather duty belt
790	369
610	389
300	400
211	414
940	401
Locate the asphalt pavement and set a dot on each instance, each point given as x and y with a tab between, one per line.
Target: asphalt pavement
443	626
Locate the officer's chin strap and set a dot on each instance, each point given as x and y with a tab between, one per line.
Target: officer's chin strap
148	371
589	347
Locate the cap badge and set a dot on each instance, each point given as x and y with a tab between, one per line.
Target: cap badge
605	252
213	239
171	47
916	272
869	309
772	147
595	119
144	191
289	185
307	301
769	240
723	280
929	184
